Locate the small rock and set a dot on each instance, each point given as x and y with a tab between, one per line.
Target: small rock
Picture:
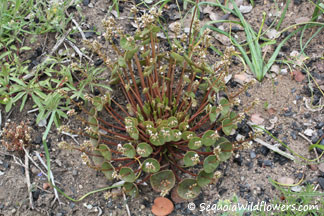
34	170
239	137
58	162
142	207
1	173
46	186
321	182
293	135
85	2
296	188
308	132
36	194
321	167
319	125
38	139
245	9
72	205
13	211
264	150
267	162
74	172
238	159
313	167
252	154
90	5
286	180
1	162
307	115
284	71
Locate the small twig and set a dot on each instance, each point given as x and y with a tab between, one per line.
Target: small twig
100	211
56	46
77	25
77	50
72	136
52	179
310	142
0	119
33	110
31	204
275	149
127	208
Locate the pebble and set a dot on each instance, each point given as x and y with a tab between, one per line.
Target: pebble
284	71
308	132
321	167
38	139
1	162
267	162
1	173
34	170
36	194
293	135
85	2
313	167
252	154
46	185
74	172
319	125
264	150
307	115
90	5
238	159
296	188
321	182
286	180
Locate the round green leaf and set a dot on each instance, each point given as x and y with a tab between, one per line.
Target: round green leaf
177	134
227	126
225	107
162	181
155	140
97	158
108	170
210	163
134	133
172	122
213	114
105	151
165	134
195	143
130	189
187	135
207	139
148	124
127	174
190	158
151	165
129	150
144	149
188	189
183	126
204	178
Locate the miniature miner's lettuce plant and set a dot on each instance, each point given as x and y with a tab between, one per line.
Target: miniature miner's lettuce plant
172	130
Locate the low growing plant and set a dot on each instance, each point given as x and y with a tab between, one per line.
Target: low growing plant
171	132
